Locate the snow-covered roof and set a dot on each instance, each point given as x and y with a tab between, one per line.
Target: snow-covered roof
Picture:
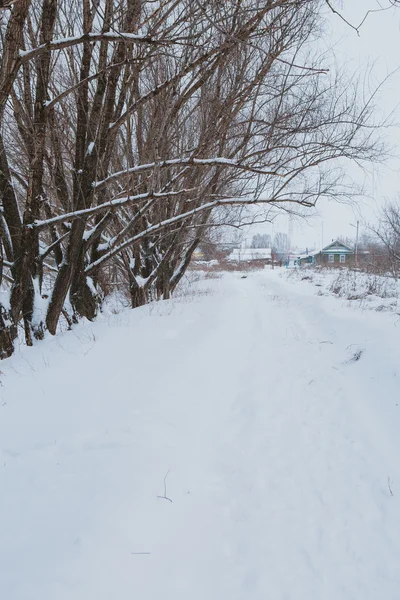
305	254
250	254
337	246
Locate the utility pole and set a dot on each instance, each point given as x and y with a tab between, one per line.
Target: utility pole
272	246
290	231
358	225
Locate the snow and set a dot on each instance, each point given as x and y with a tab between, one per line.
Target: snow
279	451
40	304
141	281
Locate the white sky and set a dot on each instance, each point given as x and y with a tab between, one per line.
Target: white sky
377	47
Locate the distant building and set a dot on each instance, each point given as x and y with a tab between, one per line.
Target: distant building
198	254
335	254
261	256
227	246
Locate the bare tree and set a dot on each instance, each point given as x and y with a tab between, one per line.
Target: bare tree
261	240
281	243
388	233
129	128
335	7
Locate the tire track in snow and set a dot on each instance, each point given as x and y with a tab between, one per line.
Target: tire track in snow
299	492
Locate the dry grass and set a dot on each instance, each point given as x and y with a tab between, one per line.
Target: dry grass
353	285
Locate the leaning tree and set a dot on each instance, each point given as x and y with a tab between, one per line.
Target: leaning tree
129	126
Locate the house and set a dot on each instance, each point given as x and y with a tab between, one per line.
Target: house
259	256
336	253
304	258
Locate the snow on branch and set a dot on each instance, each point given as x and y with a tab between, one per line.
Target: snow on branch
87	212
117	36
198	162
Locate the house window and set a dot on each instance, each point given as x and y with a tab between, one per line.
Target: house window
331	258
342	258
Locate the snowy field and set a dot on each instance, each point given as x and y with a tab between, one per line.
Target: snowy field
238	442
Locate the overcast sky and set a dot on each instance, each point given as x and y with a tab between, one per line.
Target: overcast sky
377	47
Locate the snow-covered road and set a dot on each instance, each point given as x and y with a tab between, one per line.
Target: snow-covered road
278	452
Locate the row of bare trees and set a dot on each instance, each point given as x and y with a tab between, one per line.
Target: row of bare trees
128	127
